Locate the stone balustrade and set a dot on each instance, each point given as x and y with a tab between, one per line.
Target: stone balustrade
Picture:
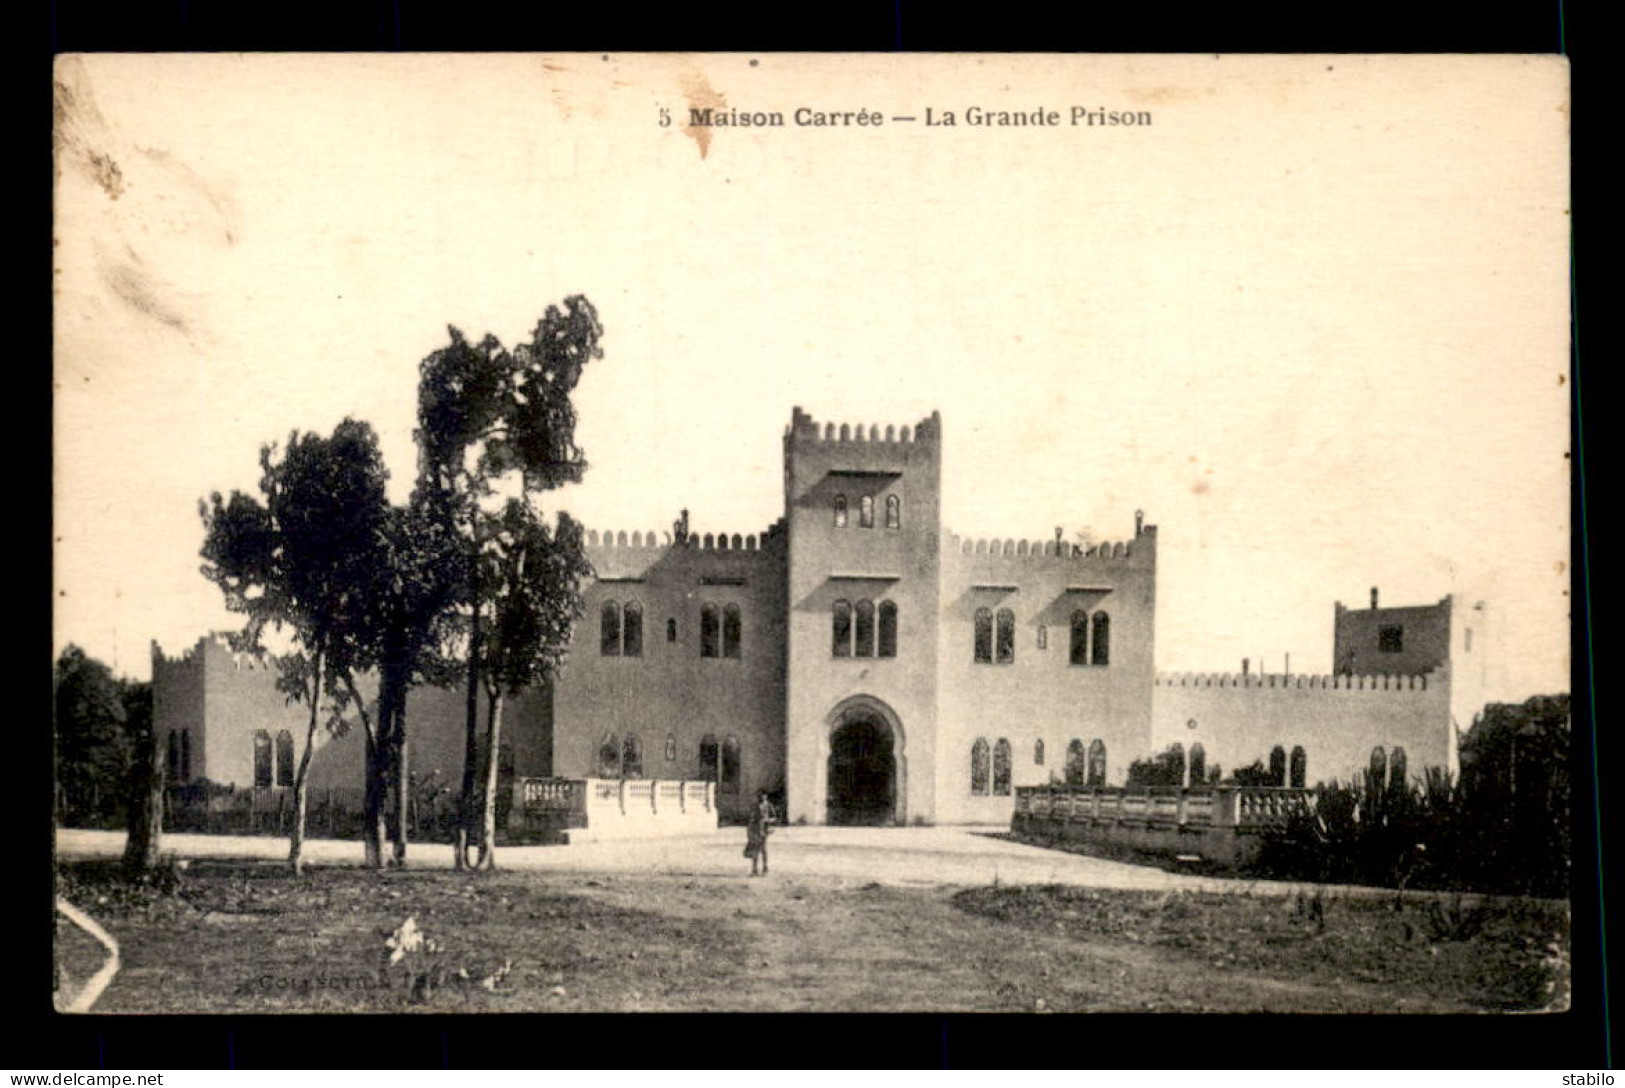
584	809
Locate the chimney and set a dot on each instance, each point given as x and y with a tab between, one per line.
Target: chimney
1373	596
1139	522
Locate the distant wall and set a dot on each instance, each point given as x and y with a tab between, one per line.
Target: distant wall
1337	720
1357	639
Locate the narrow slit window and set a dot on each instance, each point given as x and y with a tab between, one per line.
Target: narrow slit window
888	629
841	629
866	512
894	512
840	511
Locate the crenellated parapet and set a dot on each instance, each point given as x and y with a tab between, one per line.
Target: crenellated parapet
213	650
1298	681
803	428
620	540
1054	550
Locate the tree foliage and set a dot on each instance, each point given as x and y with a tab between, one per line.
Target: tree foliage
306	558
93	746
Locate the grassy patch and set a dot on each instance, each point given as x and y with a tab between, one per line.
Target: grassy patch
1493	955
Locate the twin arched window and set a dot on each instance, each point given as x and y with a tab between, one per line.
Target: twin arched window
1097	763
1086	769
995	640
719	631
620	629
863	630
1087	650
1389	770
981	766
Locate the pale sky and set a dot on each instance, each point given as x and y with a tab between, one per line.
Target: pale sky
1312	320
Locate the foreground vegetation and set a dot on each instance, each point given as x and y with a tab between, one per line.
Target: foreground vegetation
252	937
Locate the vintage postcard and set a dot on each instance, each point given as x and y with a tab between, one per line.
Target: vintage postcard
812	532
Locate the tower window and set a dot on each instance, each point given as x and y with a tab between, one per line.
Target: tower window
730	631
710	631
609	629
894	512
841	629
1391	638
1005	648
632	629
840	511
671	630
866	512
980	768
1102	641
888	629
984	636
865	629
1038	752
1080	638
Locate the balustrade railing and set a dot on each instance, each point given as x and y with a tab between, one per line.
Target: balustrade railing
1210	806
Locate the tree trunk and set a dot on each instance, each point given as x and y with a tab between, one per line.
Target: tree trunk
301	792
471	745
373	786
488	803
146	808
392	730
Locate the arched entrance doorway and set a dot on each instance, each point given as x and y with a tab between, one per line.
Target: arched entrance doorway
862	770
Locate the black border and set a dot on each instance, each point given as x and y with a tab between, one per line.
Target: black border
40	1039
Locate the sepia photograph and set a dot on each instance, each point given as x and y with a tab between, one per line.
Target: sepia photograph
1009	533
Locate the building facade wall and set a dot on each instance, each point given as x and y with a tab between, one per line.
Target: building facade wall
1041	695
1357	639
670	690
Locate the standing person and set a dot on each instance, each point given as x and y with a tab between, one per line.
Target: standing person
757	831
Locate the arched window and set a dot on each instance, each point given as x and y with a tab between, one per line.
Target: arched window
730	631
186	755
1043	637
980	768
1077	767
1097	762
1005	648
708	757
710	630
1396	769
631	757
609	756
284	758
1079	654
671	630
1102	641
1001	768
1378	768
1297	767
1038	752
632	629
1198	765
866	512
671	747
1277	766
262	758
865	612
730	764
894	512
984	635
888	629
841	629
840	511
172	756
609	629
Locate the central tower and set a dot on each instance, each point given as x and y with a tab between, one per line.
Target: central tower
862	506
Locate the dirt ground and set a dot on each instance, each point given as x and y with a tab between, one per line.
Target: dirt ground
245	936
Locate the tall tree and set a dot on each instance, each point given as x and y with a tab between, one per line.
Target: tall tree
93	750
496	425
533	580
304	560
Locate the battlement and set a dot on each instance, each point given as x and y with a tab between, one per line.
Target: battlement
1321	682
1048	549
803	428
214	647
651	541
